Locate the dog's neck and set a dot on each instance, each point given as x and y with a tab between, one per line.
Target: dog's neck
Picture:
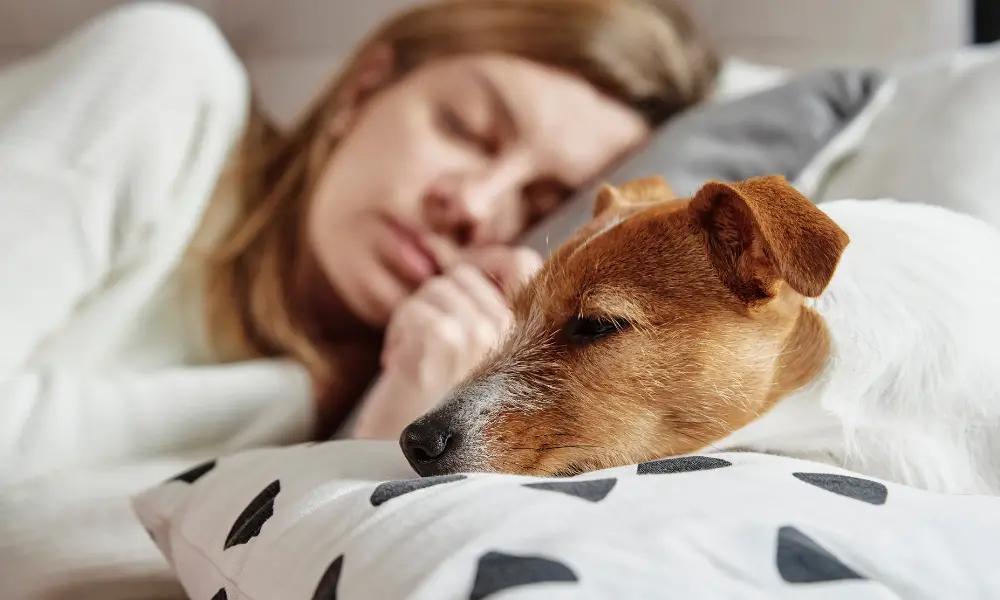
804	356
910	390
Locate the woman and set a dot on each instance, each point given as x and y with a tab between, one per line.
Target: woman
182	280
182	276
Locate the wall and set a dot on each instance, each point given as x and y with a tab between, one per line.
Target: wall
291	46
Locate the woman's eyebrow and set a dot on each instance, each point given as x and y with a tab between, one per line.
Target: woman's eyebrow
499	103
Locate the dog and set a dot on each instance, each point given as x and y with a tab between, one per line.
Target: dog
859	333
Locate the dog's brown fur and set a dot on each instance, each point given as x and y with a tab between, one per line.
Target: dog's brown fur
708	293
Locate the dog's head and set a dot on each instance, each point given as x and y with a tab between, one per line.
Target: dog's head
663	326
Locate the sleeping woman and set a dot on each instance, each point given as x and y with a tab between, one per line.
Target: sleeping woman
181	278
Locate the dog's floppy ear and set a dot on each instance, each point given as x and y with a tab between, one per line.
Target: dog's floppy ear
637	191
761	231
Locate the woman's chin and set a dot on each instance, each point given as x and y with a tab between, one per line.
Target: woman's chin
375	294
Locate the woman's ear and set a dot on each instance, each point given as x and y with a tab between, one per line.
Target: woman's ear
373	70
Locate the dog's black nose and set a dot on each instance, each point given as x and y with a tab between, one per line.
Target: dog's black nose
425	443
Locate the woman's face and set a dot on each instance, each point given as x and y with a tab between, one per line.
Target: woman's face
461	152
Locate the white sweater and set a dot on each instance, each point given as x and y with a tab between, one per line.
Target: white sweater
110	147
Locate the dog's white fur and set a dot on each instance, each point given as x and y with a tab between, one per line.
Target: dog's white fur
912	390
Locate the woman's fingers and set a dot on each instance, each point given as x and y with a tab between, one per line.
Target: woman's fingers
494	314
452	321
444	293
414	319
509	267
480	289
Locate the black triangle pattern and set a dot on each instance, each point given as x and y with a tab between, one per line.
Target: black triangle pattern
498	571
681	464
592	490
393	489
326	589
800	559
249	522
864	490
195	473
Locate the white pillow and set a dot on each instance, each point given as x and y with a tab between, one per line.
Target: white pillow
739	77
317	522
931	136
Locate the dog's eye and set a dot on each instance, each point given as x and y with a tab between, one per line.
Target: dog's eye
582	330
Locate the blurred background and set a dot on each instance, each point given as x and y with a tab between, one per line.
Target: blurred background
292	46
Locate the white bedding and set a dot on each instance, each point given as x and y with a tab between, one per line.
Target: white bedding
49	551
320	522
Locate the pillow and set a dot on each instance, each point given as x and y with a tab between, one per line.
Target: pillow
775	131
739	77
932	136
334	521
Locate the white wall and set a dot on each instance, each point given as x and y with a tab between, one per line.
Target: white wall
292	46
806	33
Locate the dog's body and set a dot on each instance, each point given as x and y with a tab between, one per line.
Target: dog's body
860	333
911	391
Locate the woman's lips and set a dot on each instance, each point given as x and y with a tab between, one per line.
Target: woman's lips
409	255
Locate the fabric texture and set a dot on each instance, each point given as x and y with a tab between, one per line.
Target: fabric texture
111	143
774	131
348	520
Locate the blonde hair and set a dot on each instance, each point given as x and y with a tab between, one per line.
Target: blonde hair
647	54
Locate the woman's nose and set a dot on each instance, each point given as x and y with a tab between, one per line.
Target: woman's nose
464	209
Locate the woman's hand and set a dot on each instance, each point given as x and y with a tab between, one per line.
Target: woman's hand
440	333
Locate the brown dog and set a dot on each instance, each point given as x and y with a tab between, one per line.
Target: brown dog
655	331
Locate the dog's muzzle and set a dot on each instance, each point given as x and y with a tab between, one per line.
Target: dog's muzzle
449	439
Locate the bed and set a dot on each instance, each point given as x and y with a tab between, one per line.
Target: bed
348	519
337	524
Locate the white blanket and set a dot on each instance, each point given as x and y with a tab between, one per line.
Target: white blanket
318	521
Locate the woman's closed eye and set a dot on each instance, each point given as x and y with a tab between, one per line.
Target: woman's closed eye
454	125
